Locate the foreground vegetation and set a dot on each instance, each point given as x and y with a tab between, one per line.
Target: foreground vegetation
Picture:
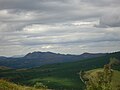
5	85
57	76
102	79
115	82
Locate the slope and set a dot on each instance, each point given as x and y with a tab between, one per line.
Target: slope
5	85
57	76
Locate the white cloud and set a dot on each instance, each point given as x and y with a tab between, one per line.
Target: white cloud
47	47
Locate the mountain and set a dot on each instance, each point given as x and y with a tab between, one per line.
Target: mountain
41	58
18	56
3	57
51	54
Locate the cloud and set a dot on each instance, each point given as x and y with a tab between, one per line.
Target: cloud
103	3
110	20
65	26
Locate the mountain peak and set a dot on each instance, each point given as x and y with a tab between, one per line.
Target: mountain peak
38	54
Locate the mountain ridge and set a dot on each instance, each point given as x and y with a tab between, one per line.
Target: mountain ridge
38	58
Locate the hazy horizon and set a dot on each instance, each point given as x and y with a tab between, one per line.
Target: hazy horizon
60	26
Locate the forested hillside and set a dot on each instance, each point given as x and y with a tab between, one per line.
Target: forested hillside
57	76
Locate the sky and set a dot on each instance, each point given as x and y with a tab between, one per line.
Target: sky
60	26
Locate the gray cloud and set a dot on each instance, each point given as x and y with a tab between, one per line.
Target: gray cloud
65	26
103	3
110	20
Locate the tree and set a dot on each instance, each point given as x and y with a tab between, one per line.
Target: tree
102	80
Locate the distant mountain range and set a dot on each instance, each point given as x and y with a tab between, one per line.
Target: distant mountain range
18	56
35	59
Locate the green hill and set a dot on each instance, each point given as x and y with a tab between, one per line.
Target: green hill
4	68
57	76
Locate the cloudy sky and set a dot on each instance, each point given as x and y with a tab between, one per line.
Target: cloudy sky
61	26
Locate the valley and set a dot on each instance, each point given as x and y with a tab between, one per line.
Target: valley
57	76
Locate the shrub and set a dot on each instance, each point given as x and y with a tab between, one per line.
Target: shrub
39	85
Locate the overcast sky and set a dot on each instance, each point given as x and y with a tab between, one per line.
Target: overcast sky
61	26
